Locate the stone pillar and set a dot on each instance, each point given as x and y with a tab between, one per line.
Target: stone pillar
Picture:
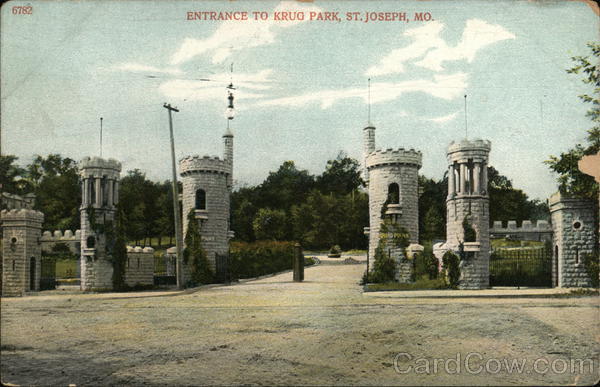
451	188
463	178
476	180
484	178
116	192
21	251
574	237
98	193
110	188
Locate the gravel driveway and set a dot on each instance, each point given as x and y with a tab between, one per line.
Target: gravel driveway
274	331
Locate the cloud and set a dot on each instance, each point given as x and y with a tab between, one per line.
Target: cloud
196	90
434	51
442	119
441	86
476	35
238	35
141	68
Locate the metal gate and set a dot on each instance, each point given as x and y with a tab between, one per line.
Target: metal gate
521	267
48	271
222	266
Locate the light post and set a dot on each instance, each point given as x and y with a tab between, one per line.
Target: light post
177	215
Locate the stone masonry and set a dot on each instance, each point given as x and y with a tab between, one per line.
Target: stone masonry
207	183
21	251
574	236
100	194
542	231
139	269
384	171
468	198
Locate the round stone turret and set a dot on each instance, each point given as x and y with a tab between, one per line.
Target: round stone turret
393	183
467	209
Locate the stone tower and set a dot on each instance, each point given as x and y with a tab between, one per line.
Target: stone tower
392	182
100	194
21	251
207	183
467	208
574	236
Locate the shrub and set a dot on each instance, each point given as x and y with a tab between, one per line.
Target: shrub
195	255
248	260
384	267
451	268
591	262
335	251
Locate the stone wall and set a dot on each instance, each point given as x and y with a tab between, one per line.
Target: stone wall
139	269
21	231
542	231
574	236
71	239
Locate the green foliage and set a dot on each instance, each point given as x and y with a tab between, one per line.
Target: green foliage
270	224
570	179
451	268
384	267
592	267
13	178
249	260
335	249
469	231
117	249
341	176
426	264
432	209
194	255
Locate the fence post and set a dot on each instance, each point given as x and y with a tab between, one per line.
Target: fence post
298	263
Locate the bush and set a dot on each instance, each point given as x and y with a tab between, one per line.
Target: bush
450	265
384	268
195	255
591	262
248	260
335	251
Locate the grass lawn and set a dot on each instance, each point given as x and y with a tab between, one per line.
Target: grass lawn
423	283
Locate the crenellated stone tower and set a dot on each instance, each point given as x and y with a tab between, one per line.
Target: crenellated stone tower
467	208
100	194
207	183
392	179
21	251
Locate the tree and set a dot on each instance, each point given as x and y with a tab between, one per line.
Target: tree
13	177
270	224
55	181
194	255
341	176
432	208
570	179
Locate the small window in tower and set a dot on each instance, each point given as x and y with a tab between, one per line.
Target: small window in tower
577	225
200	199
393	193
576	255
90	242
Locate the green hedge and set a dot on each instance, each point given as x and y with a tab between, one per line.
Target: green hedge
248	260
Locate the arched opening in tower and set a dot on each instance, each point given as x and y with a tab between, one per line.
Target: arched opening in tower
393	194
200	199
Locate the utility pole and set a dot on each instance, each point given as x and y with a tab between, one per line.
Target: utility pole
178	230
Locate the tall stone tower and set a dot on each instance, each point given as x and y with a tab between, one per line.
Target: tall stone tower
21	251
207	183
467	209
100	194
392	182
574	236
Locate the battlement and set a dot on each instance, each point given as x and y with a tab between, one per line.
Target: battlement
469	149
59	235
139	249
527	226
22	214
99	163
205	164
391	156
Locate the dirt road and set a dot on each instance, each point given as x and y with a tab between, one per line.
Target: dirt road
274	331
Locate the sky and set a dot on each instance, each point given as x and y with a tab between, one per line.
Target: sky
301	86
